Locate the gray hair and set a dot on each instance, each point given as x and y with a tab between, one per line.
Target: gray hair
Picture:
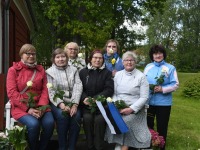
130	54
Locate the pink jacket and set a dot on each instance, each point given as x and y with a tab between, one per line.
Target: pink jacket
18	75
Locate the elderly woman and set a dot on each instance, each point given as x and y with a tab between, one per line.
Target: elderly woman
112	59
66	78
24	77
160	100
132	87
72	50
97	81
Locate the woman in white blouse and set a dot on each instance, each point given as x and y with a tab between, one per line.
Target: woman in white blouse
131	86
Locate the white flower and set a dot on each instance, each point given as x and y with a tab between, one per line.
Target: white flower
29	83
2	135
49	85
164	70
80	55
111	51
109	100
17	128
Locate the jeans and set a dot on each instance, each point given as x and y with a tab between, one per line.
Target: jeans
68	128
33	127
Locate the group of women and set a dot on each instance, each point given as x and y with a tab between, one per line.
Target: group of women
105	75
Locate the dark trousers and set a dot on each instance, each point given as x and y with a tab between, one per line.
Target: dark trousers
94	126
162	114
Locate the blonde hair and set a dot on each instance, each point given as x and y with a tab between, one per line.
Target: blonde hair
26	48
73	44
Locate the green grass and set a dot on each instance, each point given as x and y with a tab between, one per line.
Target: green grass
184	124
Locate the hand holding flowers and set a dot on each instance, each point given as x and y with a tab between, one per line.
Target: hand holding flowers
159	81
65	106
120	104
35	110
92	102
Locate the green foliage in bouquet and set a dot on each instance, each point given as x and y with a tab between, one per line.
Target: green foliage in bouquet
31	102
120	104
92	101
58	94
159	81
69	104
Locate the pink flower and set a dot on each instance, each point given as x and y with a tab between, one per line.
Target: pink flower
156	140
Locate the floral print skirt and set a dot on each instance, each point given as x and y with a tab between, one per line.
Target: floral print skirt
138	135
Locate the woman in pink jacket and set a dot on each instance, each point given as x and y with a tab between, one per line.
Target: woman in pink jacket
27	77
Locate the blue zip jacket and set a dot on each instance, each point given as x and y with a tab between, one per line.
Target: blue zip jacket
169	85
118	64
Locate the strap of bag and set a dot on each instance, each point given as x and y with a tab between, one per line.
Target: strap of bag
33	76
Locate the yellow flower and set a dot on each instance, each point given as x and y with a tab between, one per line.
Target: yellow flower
113	61
49	85
29	83
111	51
109	100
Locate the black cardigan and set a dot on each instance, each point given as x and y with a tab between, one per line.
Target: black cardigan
96	82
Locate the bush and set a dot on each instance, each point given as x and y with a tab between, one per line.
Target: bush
192	88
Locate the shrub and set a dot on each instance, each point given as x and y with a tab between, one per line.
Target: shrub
192	88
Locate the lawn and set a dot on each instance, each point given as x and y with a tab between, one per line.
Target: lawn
184	125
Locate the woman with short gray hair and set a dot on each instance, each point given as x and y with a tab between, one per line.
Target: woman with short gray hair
132	87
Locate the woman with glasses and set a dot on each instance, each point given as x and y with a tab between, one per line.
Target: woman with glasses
97	81
112	60
26	77
72	50
160	98
131	86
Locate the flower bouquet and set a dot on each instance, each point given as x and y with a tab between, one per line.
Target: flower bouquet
156	140
159	80
120	104
92	102
30	101
61	94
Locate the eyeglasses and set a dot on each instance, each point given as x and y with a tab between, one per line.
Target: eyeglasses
111	46
29	54
126	60
100	58
71	49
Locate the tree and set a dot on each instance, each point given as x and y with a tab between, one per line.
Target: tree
91	22
178	30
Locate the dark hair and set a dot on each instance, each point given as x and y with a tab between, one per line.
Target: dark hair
94	52
155	49
56	52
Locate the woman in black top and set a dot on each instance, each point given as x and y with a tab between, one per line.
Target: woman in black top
97	81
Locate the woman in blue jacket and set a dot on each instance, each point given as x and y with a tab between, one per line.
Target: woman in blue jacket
112	59
163	80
